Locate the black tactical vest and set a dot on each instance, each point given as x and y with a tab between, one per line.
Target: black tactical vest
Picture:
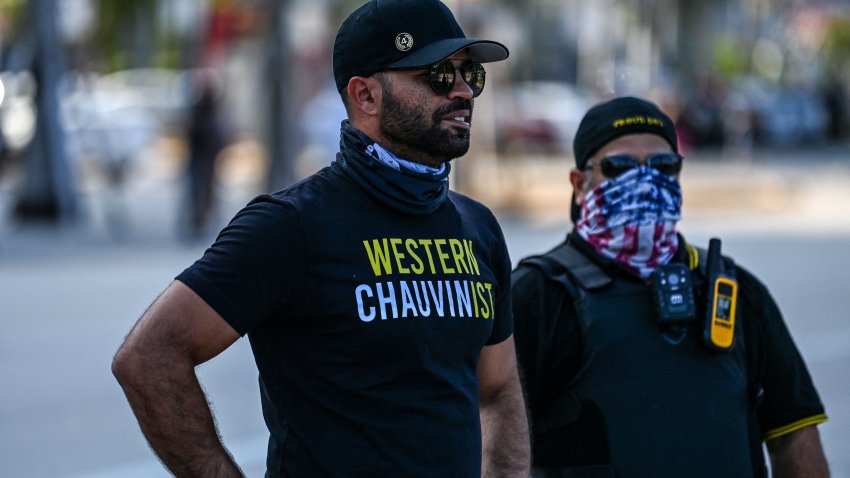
669	405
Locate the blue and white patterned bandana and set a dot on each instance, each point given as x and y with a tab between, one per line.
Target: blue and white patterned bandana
378	152
632	218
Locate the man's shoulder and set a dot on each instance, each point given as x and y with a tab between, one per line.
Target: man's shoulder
474	213
539	270
317	187
462	200
697	255
563	255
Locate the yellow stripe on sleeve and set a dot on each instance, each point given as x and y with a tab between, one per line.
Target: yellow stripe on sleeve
792	427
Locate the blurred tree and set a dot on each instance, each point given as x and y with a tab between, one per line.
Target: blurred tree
835	87
12	11
837	44
280	134
127	33
731	57
47	191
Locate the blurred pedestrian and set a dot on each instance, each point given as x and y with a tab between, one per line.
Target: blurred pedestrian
376	300
643	355
836	104
702	119
206	137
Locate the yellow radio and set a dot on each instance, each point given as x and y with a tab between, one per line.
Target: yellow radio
721	302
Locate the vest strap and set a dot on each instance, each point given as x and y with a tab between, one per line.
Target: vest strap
565	260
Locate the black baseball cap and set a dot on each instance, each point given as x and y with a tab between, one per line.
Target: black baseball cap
620	116
399	34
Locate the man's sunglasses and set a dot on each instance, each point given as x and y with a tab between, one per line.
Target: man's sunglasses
615	165
442	77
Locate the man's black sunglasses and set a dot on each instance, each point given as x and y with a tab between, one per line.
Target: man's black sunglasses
442	77
615	165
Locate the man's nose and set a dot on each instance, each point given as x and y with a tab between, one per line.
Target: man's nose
460	89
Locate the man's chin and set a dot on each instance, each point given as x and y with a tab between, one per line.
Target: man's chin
457	139
459	150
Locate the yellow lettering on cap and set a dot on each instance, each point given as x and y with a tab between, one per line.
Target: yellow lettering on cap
635	120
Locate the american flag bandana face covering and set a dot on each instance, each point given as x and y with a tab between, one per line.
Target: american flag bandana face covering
632	218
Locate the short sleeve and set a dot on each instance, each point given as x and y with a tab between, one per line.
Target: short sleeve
790	400
255	267
503	326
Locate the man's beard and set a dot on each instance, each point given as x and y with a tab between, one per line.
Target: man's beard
412	132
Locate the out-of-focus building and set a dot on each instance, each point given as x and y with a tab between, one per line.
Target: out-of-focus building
743	71
736	74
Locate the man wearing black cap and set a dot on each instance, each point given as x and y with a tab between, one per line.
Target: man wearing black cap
376	300
643	355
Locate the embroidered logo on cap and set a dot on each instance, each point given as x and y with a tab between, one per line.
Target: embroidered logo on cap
404	41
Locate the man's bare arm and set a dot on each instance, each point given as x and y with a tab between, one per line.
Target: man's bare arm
156	368
504	422
798	454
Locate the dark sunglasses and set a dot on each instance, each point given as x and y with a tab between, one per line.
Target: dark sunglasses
615	165
442	77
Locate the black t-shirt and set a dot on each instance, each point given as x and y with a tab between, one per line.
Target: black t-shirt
366	325
549	345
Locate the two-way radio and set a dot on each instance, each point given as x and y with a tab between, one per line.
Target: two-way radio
721	302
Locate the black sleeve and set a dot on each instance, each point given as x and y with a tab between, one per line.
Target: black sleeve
503	325
546	334
254	267
790	400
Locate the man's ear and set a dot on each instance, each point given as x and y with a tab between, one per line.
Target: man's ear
364	94
579	181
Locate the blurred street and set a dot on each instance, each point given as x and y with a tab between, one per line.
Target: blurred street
68	296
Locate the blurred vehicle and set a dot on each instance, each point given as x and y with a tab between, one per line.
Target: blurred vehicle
787	116
540	116
111	117
114	117
17	110
779	115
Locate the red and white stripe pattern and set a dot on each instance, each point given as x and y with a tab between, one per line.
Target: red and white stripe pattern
632	218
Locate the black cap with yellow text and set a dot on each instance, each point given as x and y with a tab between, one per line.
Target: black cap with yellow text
607	121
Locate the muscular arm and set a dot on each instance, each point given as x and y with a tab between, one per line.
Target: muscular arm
504	423
156	368
798	454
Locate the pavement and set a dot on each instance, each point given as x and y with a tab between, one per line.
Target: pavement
69	295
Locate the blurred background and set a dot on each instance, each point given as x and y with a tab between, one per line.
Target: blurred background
131	131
